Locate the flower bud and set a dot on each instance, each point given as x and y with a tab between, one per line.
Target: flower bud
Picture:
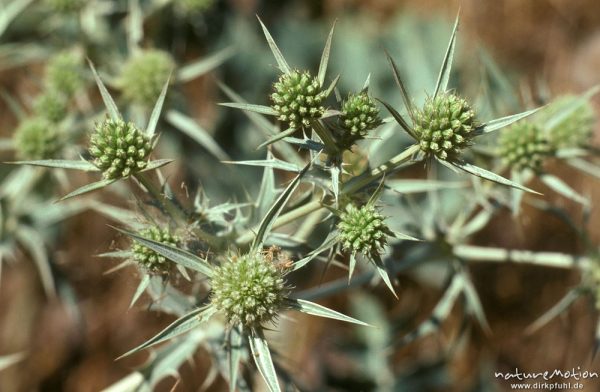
148	259
64	73
52	106
297	98
359	115
144	76
363	230
524	146
573	130
37	138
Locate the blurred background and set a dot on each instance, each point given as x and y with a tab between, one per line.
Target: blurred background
546	47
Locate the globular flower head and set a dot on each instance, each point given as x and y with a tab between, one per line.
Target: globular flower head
144	76
148	259
249	289
195	5
65	73
37	138
524	146
445	126
51	106
297	98
573	130
359	115
119	148
363	229
66	6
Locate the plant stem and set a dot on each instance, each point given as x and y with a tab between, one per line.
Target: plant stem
166	203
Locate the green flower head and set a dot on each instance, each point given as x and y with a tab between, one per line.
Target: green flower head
119	149
65	73
573	130
298	98
148	259
51	106
37	138
359	115
524	146
144	75
445	126
363	230
249	289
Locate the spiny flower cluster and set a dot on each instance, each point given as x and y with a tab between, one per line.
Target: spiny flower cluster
445	126
363	230
148	259
573	130
298	98
359	115
52	106
144	76
249	289
119	149
66	6
64	74
37	138
524	146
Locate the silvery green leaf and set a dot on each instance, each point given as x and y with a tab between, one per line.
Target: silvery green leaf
502	122
283	65
380	266
548	259
585	167
473	302
182	325
275	210
56	212
9	11
88	188
399	119
10	359
144	282
325	57
191	128
155	164
555	311
134	382
235	351
272	163
418	186
569	109
488	175
308	144
444	75
111	106
120	254
173	253
329	90
351	266
405	237
151	128
261	109
408	103
439	313
135	25
118	214
321	311
263	360
60	163
335	181
33	242
331	240
560	187
202	66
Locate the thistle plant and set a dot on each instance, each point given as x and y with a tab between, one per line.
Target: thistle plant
524	146
144	74
37	138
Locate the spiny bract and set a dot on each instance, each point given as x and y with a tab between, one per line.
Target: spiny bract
64	73
523	146
249	289
144	76
298	98
148	259
51	106
359	115
119	149
37	138
445	126
573	130
363	230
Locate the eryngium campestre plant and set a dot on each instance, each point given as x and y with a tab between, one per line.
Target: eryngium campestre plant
573	130
524	146
119	148
37	138
144	75
148	259
64	73
51	105
359	115
363	230
298	98
249	289
445	126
